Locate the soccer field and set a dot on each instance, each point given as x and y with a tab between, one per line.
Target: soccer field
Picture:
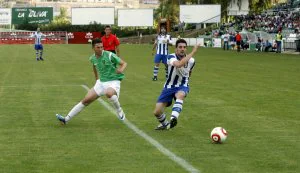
254	96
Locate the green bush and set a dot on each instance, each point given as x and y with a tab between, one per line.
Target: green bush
93	27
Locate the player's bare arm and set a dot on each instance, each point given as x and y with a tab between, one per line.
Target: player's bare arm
154	46
184	60
118	51
122	66
95	73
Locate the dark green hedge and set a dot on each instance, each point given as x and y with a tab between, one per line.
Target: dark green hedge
120	32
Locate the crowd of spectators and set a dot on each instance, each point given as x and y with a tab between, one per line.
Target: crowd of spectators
281	16
262	29
271	23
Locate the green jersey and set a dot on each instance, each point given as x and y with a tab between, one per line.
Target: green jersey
106	66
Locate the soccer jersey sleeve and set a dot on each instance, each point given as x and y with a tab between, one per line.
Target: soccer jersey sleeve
171	59
170	39
115	59
117	42
91	59
33	35
192	63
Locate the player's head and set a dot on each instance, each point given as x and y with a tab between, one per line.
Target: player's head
163	29
97	46
180	45
107	30
38	29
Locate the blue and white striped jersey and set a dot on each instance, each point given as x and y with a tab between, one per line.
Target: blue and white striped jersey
162	44
178	77
38	37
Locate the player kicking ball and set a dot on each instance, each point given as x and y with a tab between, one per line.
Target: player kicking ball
108	69
176	86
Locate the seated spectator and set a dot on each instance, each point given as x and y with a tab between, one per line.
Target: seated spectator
268	45
244	45
208	43
259	44
274	47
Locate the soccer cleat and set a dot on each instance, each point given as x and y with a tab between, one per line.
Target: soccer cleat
37	59
154	78
121	115
163	127
173	122
61	119
41	59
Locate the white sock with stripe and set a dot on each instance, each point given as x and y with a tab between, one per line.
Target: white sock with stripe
155	71
177	107
162	119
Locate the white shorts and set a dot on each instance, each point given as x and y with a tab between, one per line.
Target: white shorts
100	87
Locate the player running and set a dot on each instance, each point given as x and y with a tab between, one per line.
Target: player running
108	69
176	86
163	40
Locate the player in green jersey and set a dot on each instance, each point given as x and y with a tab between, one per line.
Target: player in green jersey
108	69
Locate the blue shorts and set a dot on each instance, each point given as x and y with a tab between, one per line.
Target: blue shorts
38	47
160	58
167	95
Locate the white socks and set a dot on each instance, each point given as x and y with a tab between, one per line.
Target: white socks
74	111
155	70
177	107
115	102
79	107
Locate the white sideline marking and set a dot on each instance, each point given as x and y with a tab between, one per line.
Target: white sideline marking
180	161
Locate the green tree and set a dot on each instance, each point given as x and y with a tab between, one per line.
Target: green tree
168	9
259	5
62	18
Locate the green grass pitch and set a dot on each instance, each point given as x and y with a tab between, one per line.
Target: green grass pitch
254	96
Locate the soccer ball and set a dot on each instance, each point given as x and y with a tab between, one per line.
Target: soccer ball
218	135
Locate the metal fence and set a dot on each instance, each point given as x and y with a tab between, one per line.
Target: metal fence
289	45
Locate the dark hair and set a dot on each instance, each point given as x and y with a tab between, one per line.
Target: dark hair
163	26
180	41
96	41
107	26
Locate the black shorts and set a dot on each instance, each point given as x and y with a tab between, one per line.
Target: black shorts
238	43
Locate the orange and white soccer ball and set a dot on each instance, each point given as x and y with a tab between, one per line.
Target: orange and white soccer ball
218	135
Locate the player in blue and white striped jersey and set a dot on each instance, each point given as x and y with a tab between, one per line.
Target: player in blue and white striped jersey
38	44
176	86
161	45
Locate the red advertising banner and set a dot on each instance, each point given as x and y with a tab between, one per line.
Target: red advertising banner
82	37
55	37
